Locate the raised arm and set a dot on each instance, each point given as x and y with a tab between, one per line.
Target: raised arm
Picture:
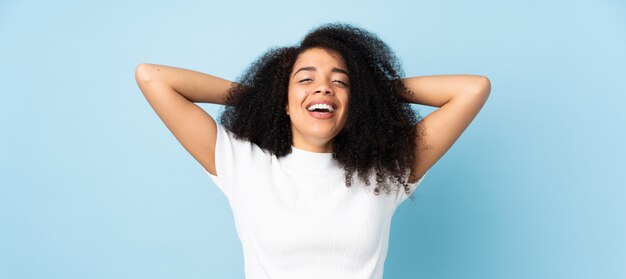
171	92
459	98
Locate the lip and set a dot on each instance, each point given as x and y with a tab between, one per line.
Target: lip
321	115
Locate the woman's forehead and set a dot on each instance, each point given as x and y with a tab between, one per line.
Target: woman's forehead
320	55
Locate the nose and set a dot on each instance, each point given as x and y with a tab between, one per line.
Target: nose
324	87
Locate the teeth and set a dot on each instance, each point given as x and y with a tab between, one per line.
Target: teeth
321	106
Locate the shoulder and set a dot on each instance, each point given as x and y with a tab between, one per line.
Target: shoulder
402	195
233	153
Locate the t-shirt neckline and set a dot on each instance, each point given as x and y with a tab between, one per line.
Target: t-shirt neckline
319	163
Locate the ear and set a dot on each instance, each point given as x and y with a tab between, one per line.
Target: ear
287	109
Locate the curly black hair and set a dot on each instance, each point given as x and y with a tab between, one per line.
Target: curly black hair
380	131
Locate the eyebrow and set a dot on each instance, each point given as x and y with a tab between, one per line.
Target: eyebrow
334	70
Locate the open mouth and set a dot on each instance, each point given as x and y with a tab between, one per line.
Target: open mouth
321	108
321	111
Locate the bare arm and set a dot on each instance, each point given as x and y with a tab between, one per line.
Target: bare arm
171	92
195	86
459	98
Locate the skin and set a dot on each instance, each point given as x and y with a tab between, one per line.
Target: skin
172	92
317	74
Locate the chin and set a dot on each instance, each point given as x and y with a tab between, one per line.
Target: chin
323	133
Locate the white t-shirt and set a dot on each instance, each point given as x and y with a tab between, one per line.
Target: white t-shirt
296	218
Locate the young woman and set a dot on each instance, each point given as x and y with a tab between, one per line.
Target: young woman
317	146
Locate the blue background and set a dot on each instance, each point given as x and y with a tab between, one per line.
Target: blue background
93	185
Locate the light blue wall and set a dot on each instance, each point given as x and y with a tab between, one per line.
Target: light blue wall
93	185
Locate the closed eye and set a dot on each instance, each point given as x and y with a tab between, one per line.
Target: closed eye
339	81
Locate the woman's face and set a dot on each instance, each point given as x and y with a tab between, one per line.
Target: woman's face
319	89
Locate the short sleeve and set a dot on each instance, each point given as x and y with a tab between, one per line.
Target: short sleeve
234	158
402	195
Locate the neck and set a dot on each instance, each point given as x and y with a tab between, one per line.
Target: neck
320	147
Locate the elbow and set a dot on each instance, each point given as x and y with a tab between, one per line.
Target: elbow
142	73
483	86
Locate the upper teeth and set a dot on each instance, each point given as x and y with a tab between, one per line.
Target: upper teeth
321	106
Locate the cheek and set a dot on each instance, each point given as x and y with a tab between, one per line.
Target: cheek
294	98
292	103
346	109
346	102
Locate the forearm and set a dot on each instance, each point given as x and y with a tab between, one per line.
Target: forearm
437	90
195	86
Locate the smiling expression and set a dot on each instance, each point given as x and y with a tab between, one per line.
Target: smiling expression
318	94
